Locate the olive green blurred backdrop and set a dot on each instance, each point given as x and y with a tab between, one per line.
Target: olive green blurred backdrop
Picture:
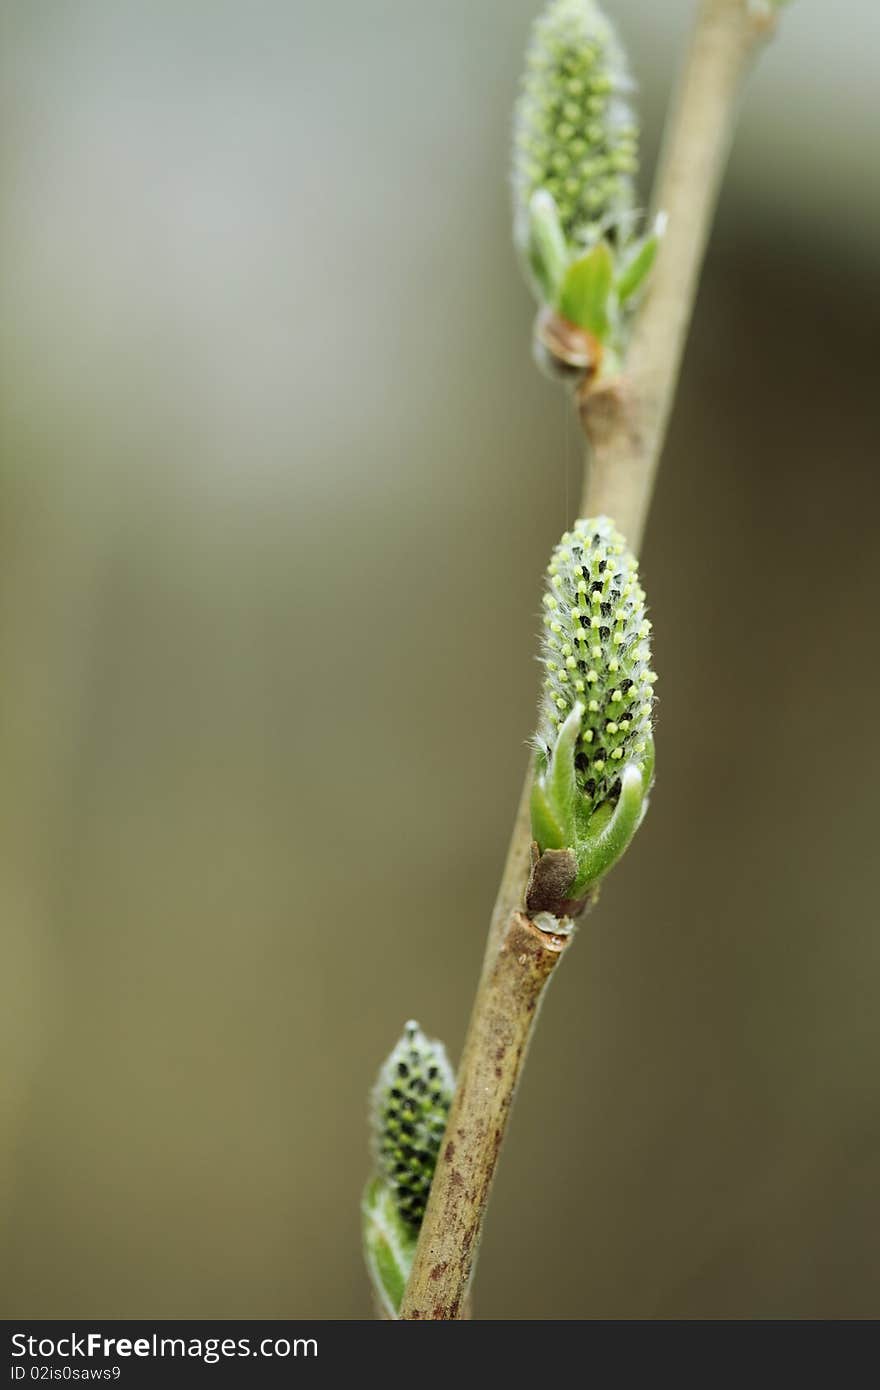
278	484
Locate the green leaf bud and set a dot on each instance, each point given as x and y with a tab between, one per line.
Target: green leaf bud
575	221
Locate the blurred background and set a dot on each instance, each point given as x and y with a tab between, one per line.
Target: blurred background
278	484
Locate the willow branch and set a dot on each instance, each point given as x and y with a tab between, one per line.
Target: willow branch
625	419
625	422
489	1071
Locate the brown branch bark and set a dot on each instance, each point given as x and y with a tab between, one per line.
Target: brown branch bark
625	422
488	1076
625	419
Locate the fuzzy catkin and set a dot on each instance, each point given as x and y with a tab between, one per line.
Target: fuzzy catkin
411	1102
576	135
596	652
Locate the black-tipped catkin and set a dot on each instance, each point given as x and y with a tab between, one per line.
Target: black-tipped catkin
411	1102
596	651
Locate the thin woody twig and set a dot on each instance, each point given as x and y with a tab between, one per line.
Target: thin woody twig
625	422
488	1074
625	419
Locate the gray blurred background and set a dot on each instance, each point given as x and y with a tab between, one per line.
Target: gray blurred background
278	484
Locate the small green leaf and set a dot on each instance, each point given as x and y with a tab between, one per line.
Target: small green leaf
547	249
545	827
600	851
389	1246
585	290
561	787
632	277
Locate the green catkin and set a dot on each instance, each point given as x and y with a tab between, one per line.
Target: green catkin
411	1102
576	135
596	653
